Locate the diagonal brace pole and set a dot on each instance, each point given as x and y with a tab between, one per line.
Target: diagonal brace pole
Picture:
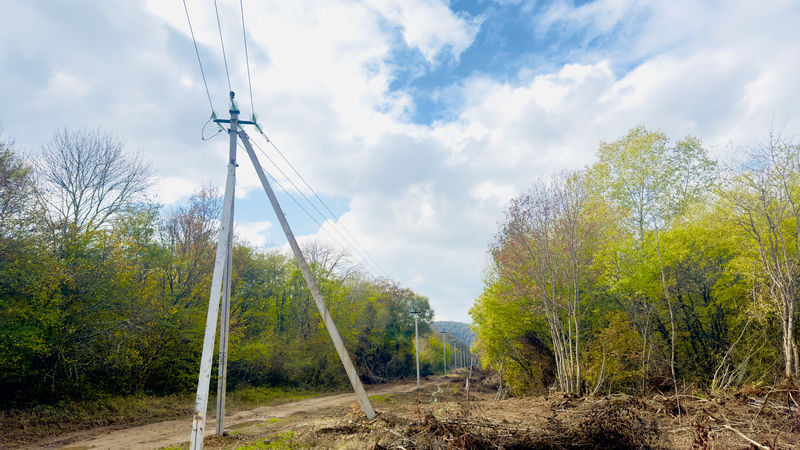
366	406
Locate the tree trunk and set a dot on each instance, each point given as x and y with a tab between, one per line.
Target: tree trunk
671	322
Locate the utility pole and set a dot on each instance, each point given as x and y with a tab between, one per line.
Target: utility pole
220	269
444	351
221	280
416	342
224	326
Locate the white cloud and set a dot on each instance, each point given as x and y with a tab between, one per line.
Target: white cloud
254	233
66	86
168	190
429	26
422	199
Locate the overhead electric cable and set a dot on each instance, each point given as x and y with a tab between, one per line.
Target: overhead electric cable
247	60
197	52
334	222
278	183
323	203
346	247
203	130
222	43
321	214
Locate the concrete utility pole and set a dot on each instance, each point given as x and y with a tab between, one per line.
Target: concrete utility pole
221	281
224	326
444	351
416	342
220	268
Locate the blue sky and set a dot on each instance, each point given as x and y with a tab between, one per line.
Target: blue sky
415	121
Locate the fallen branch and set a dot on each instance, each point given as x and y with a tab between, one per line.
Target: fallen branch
742	435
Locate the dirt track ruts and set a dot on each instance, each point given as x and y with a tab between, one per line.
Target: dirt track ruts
174	432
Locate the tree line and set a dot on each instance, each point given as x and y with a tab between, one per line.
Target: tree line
104	292
655	268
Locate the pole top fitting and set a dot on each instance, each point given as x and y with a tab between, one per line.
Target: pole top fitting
233	109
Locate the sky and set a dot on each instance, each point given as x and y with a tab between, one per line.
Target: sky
414	121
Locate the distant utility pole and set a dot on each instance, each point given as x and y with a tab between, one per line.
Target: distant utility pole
444	351
221	281
416	341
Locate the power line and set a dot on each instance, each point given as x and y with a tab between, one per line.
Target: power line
286	191
333	215
322	215
222	43
358	249
203	130
334	221
197	52
345	246
247	59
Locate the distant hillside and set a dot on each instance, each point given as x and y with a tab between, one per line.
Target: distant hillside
460	330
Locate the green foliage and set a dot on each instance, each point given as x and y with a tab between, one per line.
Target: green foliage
614	361
670	251
88	311
512	337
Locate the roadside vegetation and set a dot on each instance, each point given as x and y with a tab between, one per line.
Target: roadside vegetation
104	293
657	269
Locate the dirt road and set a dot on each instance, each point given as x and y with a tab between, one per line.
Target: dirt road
457	411
174	432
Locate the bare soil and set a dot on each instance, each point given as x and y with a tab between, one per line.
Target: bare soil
442	415
176	432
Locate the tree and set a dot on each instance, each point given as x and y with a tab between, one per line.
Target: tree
17	190
189	234
654	183
765	199
545	249
88	178
330	260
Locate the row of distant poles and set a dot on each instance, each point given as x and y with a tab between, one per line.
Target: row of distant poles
461	357
220	295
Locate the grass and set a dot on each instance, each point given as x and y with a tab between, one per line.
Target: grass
378	399
266	395
21	427
283	440
270	420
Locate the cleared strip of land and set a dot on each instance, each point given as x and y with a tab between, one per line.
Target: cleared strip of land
176	432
